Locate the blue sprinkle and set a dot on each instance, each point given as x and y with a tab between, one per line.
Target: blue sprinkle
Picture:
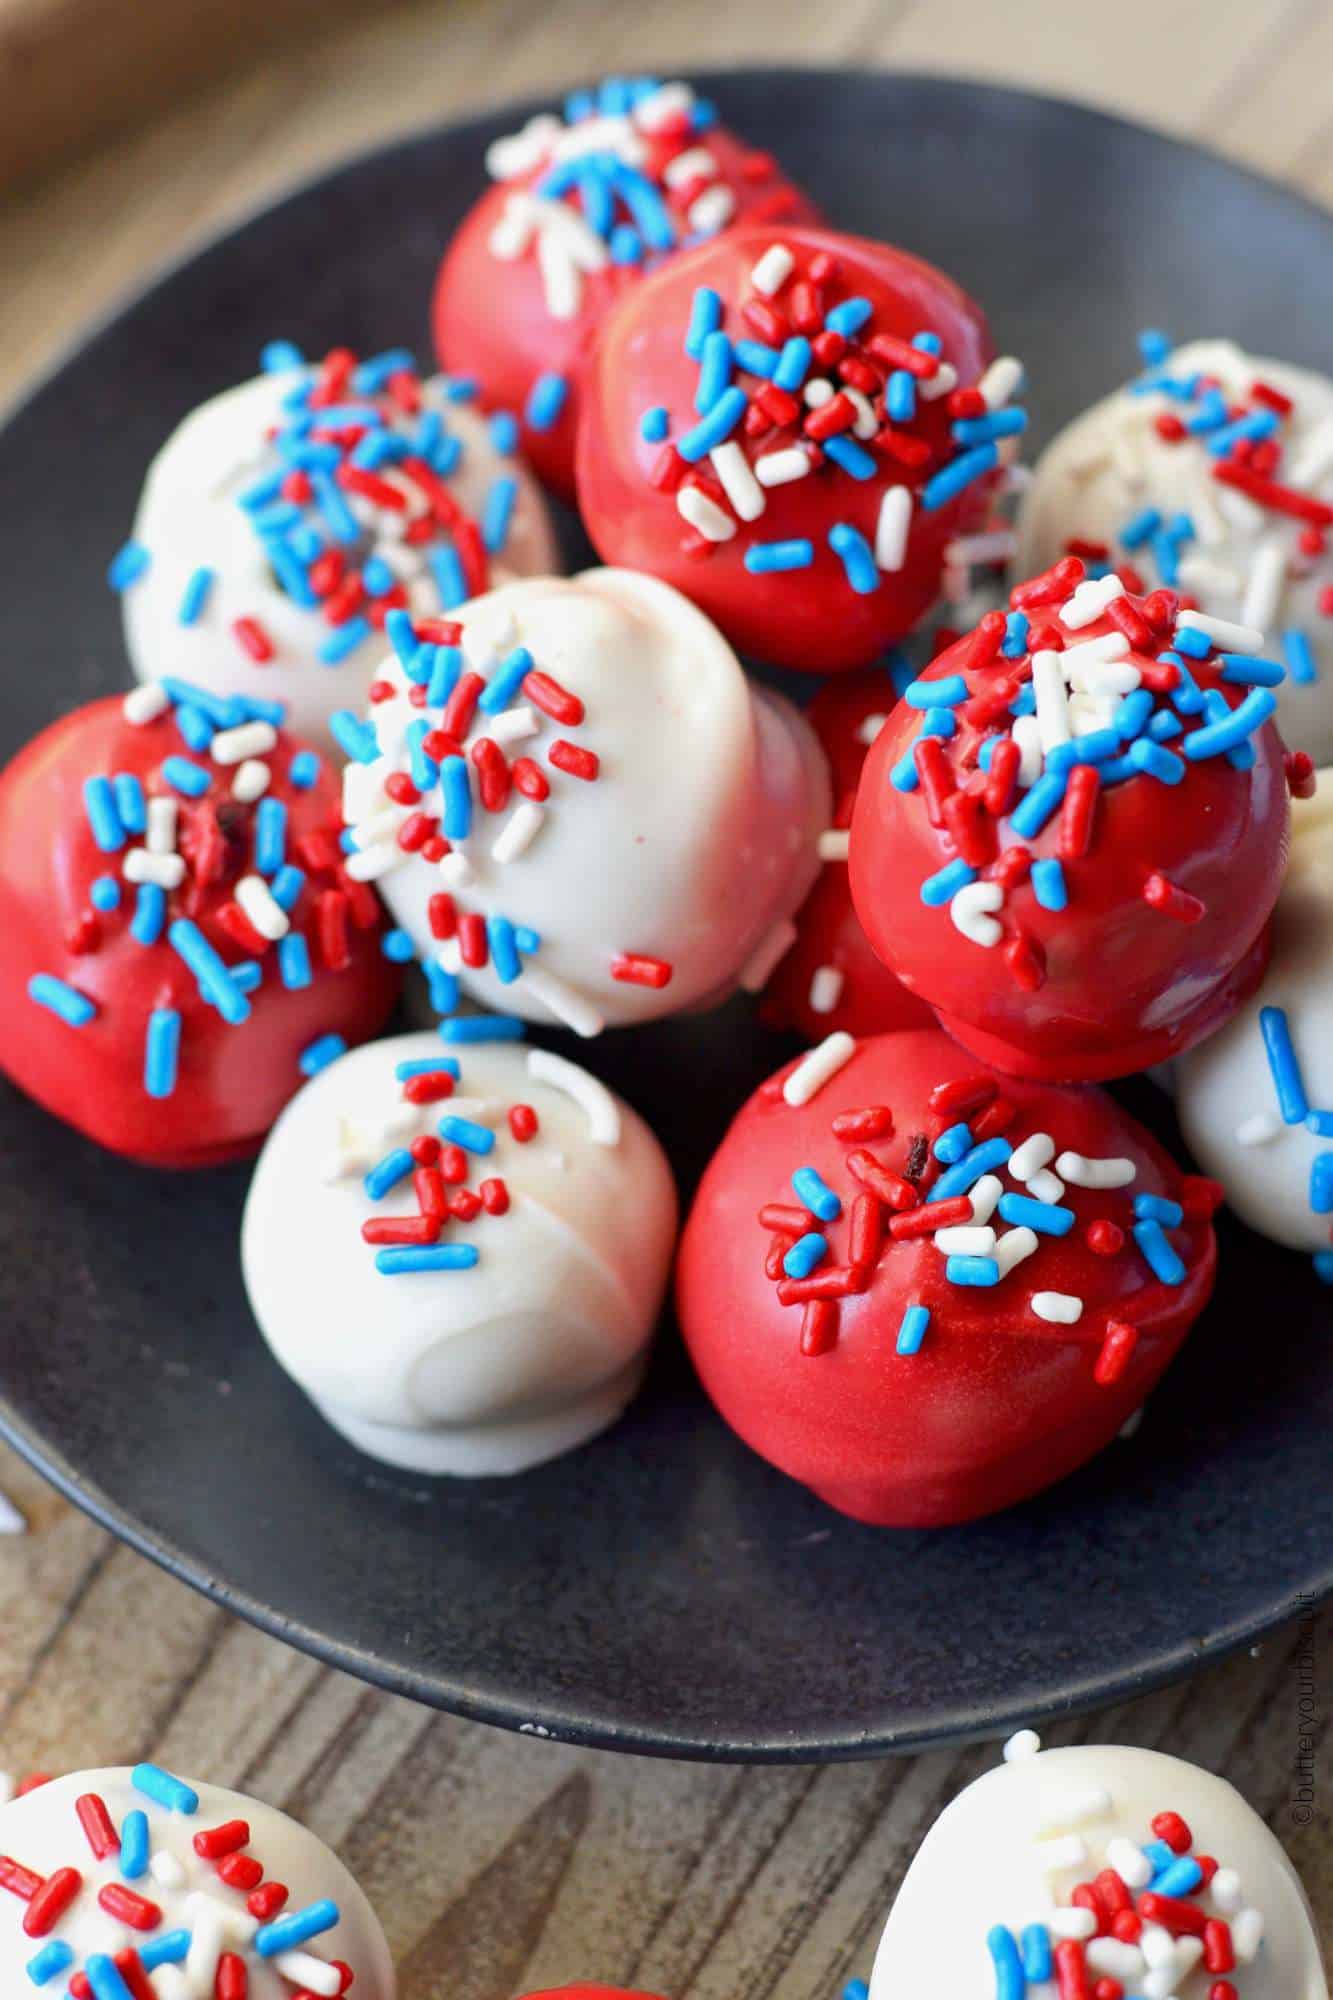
425	770
279	355
714	428
856	1989
442	1257
546	401
849	317
1159	1854
195	727
270	836
1187	695
104	1978
1320	1123
1209	413
1155	1208
903	776
1037	1956
1037	806
457	795
150	910
939	722
1164	726
654	425
1048	1218
1094	747
397	946
913	1329
441	986
105	894
445	673
968	1171
50	1962
1155	346
951	1146
348	841
1140	528
504	432
356	739
999	423
705	318
99	803
385	1175
162	1052
1153	761
191	779
1321	1184
900	397
131	807
793	363
299	1926
377	577
1300	658
714	371
401	634
1190	640
317	1055
766	558
946	693
343	639
1010	1979
626	244
943	886
957	475
247	975
1255	424
972	1271
460	388
195	595
427	1066
805	1254
128	565
1323	1266
853	458
58	997
170	1948
814	1193
216	982
527	939
504	949
294	962
929	343
1238	726
1161	1257
483	1028
164	1789
1182	1878
341	521
506	681
419	668
1015	642
134	1845
287	885
856	556
497	513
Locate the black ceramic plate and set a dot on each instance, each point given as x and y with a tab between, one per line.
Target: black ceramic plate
662	1589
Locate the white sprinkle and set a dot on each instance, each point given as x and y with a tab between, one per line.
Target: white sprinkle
601	1109
825	989
455	870
1263	586
380	826
1226	1892
779	468
1236	508
1111	1959
771	949
1060	1308
704	515
738	482
984	1196
12	1522
206	1942
817	391
996	546
1082	1172
562	287
772	271
145	704
1102	677
1014	1246
262	907
1157	1945
519	831
1247	1931
712	210
1054	1855
1131	1864
1066	1809
1036	1151
449	955
867	423
1072	1923
694	163
892	527
1228	637
316	1975
1204	573
1048	684
1001	381
667	101
816	1069
251	781
167	871
371	863
1315	456
1045	1186
834	844
514	725
1165	1980
519	152
567	1005
166	1870
1024	1744
1107	646
970	909
869	727
161	835
1094	711
940	383
965	1241
1090	600
248	739
1026	733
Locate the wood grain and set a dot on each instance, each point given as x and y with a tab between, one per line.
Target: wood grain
503	1863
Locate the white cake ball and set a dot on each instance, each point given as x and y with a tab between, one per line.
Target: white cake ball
1110	471
118	1856
655	841
1253	1138
988	1902
531	1333
198	519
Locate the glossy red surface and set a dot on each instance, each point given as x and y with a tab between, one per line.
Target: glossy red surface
232	1080
998	1402
808	618
1124	985
871	1000
491	320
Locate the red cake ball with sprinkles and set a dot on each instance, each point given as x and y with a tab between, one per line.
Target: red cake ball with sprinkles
284	519
928	1291
135	1884
184	944
1071	834
798	429
828	977
581	206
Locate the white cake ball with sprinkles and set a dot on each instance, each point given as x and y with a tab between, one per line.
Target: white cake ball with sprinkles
133	1884
580	806
284	518
1211	473
458	1246
1256	1100
1099	1870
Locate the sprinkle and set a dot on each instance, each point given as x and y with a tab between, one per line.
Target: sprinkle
1060	1308
99	801
596	1101
960	473
1048	884
780	468
465	1132
817	1068
959	1178
1161	1257
150	911
128	564
816	1195
891	529
317	1055
1010	1978
1045	1217
1234	729
913	1329
162	1052
164	1789
705	318
971	912
1222	633
73	1007
766	558
704	515
47	1964
944	884
187	777
1283	1065
1321	1184
805	1255
983	1271
636	968
945	693
546	402
854	552
654	425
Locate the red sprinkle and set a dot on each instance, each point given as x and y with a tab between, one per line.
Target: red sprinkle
1169	427
1161	894
530	779
819	1326
636	968
1200	1197
1026	962
924	1221
1268	493
996	1118
1127	618
831	419
833	1281
240	1871
1002	778
1116	1352
428	1087
456	715
267	1900
1104	1238
1219	1954
1112	1891
961	1096
786	1216
1127	1925
937	779
428	1187
1175	1915
442	916
970	827
216	1841
870	1121
896	1193
1300	769
473	943
494	1197
1222	1989
453	1164
97	1825
19	1881
1078	811
48	1903
779	1246
493	779
1171	1828
331	929
553	700
129	1908
464	1205
1071	1970
1053	586
231	1981
866	1229
253	638
130	1967
418	1229
523	1122
577	762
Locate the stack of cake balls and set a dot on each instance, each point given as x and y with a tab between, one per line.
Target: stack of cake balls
376	736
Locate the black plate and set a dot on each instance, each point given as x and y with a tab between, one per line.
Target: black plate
663	1589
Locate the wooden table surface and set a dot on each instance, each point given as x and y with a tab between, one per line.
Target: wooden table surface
501	1863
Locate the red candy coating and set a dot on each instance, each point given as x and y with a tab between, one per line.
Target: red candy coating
998	1402
232	1080
809	617
829	932
1110	984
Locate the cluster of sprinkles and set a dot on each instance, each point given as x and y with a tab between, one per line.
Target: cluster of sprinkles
1253	476
236	1918
349	500
434	1140
466	749
172	848
1054	722
1153	1920
1294	1109
801	385
952	1190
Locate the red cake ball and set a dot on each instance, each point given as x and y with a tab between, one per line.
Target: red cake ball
794	427
928	1291
183	945
829	977
581	207
1071	834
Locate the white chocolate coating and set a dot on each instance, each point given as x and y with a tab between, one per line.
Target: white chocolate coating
490	1370
1245	564
698	838
189	516
988	1860
1224	1090
43	1833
